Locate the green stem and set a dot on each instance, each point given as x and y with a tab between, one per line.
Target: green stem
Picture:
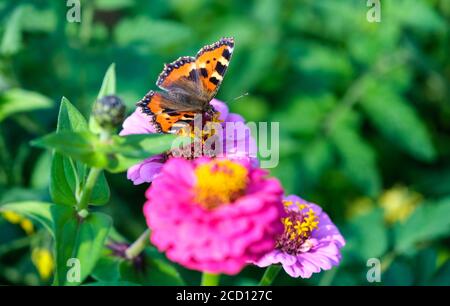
88	188
138	246
269	275
210	279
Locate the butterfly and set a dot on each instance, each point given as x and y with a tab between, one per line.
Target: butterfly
187	86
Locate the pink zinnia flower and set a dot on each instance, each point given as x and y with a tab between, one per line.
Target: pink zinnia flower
243	146
214	215
310	241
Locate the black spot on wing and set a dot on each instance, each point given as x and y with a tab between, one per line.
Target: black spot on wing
214	80
220	68
204	72
226	53
193	75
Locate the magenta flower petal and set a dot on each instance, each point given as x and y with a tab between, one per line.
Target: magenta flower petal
204	229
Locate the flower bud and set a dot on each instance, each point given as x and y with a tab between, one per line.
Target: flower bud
109	112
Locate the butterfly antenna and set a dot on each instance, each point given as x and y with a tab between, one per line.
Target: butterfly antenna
241	96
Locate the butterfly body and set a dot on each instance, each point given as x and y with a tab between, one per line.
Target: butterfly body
188	85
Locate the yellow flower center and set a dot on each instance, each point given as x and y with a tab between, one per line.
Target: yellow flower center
219	182
298	226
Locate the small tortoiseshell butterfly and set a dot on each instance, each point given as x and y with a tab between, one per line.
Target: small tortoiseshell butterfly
188	85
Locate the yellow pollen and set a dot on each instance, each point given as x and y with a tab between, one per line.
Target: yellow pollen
219	182
207	131
298	229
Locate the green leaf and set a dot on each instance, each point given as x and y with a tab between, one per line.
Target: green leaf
163	34
397	120
110	5
42	20
81	146
108	88
430	221
12	37
129	150
67	175
357	159
426	263
116	155
107	268
101	192
366	236
38	211
442	276
109	82
157	271
82	239
40	177
317	109
15	100
399	274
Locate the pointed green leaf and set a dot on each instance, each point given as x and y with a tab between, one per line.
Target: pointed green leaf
12	36
108	88
77	240
398	121
430	221
13	101
357	159
39	211
67	175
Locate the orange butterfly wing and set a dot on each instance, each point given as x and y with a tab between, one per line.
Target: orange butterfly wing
204	72
165	121
212	62
183	67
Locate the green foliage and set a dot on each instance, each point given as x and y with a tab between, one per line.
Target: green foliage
116	155
110	269
78	238
16	100
38	211
398	121
429	221
67	175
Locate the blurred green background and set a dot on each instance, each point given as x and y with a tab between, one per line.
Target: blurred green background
364	112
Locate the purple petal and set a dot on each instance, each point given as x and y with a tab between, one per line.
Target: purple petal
146	171
221	107
137	123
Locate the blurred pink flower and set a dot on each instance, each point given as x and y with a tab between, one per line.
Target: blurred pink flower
242	147
214	215
310	242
